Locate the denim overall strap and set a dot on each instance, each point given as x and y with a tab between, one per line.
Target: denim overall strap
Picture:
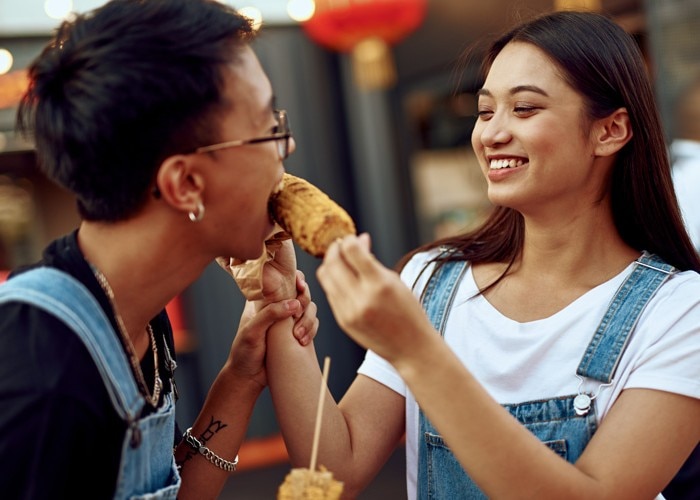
435	472
147	468
438	295
66	298
603	353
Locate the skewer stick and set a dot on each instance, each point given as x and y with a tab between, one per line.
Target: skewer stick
319	412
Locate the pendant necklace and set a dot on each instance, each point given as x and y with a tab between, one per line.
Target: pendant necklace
154	397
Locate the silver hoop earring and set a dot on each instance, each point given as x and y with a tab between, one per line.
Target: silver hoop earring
198	215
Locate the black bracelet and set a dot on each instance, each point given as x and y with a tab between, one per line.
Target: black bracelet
215	459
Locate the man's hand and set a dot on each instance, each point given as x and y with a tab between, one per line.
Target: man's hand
247	356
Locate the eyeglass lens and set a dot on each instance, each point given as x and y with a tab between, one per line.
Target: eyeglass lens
283	128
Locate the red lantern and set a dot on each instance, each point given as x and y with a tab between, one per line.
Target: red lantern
366	29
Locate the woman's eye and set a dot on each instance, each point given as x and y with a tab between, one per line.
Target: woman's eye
484	114
524	110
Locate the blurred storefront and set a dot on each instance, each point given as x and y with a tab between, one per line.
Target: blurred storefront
397	158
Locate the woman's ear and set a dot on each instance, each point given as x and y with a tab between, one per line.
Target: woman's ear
180	182
612	133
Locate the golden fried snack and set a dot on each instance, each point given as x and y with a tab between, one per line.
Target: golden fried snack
305	484
312	219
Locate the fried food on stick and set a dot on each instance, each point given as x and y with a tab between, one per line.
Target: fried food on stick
312	484
309	215
307	484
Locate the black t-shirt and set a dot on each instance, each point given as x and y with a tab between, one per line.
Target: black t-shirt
60	435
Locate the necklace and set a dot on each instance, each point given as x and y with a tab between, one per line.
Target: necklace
154	397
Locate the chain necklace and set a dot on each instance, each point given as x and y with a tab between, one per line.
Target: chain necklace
154	397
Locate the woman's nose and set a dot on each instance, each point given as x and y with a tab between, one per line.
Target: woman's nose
494	131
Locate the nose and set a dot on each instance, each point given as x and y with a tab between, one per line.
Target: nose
493	131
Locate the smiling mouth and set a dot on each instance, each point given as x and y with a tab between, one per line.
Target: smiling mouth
506	163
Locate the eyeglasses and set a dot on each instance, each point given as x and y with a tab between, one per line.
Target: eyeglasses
281	135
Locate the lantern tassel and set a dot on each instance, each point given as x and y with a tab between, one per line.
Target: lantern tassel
373	64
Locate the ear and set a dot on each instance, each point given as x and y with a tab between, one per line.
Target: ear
181	182
612	133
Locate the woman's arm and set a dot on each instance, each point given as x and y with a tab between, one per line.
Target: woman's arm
357	435
642	442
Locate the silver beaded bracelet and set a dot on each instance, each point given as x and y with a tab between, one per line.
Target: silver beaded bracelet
197	445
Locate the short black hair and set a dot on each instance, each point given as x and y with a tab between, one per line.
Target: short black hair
123	87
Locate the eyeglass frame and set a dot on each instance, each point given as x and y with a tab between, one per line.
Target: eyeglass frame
283	138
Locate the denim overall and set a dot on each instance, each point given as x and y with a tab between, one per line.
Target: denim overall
147	469
565	424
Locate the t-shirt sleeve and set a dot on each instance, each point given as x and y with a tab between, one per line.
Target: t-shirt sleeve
670	360
377	368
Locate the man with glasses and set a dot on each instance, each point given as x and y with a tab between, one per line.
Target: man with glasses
158	117
281	135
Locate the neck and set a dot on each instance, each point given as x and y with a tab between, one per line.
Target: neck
575	246
144	269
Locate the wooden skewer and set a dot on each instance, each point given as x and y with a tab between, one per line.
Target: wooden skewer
319	413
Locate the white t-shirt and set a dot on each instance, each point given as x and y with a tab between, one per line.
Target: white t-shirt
686	180
518	362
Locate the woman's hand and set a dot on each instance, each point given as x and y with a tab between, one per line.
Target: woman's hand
370	302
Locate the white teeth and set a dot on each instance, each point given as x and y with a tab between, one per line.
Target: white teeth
499	164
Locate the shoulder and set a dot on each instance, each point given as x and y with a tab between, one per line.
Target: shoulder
683	286
677	298
672	316
40	356
418	269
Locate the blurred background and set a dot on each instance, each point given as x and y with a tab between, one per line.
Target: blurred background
381	106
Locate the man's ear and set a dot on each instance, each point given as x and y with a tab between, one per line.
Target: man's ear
612	133
180	182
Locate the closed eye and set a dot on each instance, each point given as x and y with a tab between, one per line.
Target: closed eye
523	111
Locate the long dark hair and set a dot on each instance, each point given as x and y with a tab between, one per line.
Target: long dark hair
603	63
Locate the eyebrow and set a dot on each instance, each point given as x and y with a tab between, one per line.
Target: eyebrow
515	90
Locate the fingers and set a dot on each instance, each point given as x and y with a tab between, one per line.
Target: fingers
335	272
274	312
303	292
354	252
306	327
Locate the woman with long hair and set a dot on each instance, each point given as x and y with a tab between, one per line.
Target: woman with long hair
554	352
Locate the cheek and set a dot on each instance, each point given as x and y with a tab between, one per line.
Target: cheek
478	147
476	137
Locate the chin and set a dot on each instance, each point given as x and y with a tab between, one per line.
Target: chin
251	254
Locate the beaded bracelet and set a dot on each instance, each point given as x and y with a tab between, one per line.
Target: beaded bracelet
215	459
